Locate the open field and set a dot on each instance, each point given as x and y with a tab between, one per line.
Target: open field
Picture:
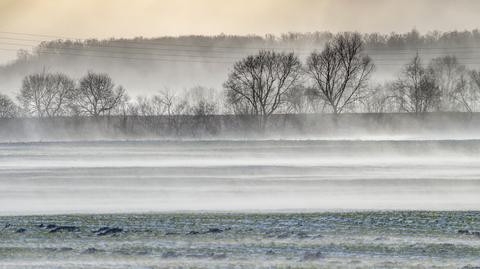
145	176
326	240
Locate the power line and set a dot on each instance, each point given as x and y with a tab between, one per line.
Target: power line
373	55
146	41
139	48
182	60
61	51
125	58
119	52
56	50
213	46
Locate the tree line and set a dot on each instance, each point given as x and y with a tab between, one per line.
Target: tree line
334	80
392	41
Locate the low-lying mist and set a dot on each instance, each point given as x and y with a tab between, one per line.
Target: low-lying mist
305	175
359	126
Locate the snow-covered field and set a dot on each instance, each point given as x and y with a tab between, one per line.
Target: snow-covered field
240	204
308	175
316	240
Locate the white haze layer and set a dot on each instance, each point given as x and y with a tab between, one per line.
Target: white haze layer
121	177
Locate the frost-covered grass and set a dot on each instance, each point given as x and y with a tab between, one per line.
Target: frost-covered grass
381	239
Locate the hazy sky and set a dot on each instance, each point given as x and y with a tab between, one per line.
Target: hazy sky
105	18
127	18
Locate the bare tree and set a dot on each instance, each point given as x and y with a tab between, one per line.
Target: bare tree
416	89
258	83
97	95
314	102
151	106
8	109
340	72
165	103
202	111
450	77
202	101
467	91
203	108
380	100
297	100
46	94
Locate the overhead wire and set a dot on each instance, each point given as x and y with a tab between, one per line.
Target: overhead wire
106	49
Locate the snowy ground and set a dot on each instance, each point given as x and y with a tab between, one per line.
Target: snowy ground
317	175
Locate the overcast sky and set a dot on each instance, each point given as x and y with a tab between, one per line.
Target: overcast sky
128	18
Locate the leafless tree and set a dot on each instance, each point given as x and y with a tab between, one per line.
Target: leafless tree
203	108
165	103
124	110
450	77
340	72
296	100
46	94
124	107
171	104
152	108
202	111
8	109
416	89
202	101
314	102
258	83
379	100
159	104
97	95
467	91
156	105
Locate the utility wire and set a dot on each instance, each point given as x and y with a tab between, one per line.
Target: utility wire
189	61
53	49
146	41
57	50
213	46
65	51
124	58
